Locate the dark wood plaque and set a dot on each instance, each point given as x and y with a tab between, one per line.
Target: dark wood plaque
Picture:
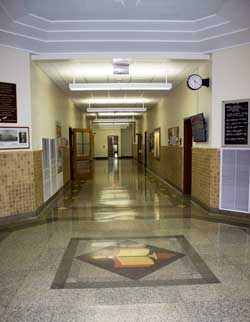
236	123
8	103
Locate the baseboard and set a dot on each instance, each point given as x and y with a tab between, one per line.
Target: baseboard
36	213
172	186
101	158
106	158
197	202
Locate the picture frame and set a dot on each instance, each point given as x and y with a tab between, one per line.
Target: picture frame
157	143
14	138
173	135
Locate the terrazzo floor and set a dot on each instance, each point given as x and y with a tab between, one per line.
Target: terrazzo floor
125	247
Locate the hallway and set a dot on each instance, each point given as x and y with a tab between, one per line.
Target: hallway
124	247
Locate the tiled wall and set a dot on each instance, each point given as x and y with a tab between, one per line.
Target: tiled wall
206	176
21	189
205	171
169	166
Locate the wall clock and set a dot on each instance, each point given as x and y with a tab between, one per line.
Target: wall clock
195	82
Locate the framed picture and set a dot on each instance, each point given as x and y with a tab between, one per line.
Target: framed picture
12	138
173	135
151	142
157	143
59	147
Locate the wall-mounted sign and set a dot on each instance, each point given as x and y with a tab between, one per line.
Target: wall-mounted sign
8	104
236	119
14	138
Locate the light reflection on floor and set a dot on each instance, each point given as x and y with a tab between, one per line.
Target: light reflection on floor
46	273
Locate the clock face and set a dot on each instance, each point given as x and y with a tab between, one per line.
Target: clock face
194	82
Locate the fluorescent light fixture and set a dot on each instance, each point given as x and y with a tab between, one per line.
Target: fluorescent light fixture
116	121
116	100
118	114
116	109
112	124
119	86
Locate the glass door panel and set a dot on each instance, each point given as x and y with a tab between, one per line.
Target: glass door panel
83	160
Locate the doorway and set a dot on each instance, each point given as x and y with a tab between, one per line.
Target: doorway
188	143
82	154
113	149
71	153
145	149
139	147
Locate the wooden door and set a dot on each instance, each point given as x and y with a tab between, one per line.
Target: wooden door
145	148
188	142
139	147
71	151
83	153
113	149
110	146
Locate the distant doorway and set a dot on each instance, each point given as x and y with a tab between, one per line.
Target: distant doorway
113	148
188	142
145	148
71	151
139	147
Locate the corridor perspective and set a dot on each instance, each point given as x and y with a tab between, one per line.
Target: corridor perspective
124	161
124	247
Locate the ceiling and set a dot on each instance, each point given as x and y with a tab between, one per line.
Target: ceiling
124	26
99	70
122	9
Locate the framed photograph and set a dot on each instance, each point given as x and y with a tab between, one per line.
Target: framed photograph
59	147
12	138
173	135
157	143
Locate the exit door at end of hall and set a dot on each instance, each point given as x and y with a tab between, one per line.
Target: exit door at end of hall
113	149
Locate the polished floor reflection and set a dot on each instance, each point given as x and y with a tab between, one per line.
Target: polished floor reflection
125	247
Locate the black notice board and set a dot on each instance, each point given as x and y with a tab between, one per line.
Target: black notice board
8	103
236	123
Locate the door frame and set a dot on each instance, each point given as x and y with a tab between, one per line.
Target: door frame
71	153
145	148
187	157
83	158
139	147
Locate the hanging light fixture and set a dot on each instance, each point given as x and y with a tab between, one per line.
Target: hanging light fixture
116	109
120	86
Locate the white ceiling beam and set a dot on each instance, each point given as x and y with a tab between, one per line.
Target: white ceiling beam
166	55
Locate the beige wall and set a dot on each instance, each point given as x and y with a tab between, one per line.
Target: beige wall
49	105
171	111
177	105
231	79
15	68
126	142
101	141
